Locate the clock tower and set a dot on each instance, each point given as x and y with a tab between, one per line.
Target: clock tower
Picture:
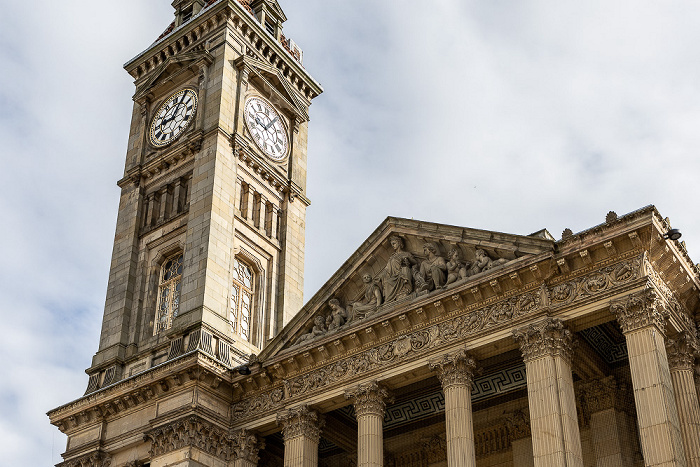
208	254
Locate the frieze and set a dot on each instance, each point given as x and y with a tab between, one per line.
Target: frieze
419	342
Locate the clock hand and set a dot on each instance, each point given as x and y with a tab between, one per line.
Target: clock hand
271	123
259	122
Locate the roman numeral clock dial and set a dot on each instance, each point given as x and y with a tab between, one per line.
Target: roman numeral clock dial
266	128
173	117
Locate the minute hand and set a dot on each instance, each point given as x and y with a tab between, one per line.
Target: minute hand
271	123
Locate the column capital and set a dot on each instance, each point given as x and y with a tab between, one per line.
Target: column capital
369	398
300	421
601	394
455	369
546	337
518	423
246	446
639	310
682	350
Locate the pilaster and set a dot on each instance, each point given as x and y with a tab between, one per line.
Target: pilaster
518	424
245	447
642	322
301	429
456	372
370	401
547	347
682	350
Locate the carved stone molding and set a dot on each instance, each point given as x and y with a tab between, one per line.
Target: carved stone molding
369	399
300	421
192	431
456	369
94	459
546	337
682	350
518	423
639	310
246	445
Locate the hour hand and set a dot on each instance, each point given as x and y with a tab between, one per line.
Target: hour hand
271	123
259	122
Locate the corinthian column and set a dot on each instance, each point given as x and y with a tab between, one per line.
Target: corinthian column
643	325
546	347
301	429
370	405
245	448
681	360
456	372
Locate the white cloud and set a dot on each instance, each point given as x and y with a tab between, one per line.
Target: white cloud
499	115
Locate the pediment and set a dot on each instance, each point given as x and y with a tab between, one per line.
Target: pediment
173	66
403	261
272	80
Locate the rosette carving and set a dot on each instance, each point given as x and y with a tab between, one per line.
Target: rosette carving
456	369
546	337
682	350
639	310
300	421
369	399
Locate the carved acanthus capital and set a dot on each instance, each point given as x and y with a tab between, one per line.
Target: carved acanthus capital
193	432
246	445
639	310
456	369
300	421
601	394
518	423
369	399
548	337
93	459
682	350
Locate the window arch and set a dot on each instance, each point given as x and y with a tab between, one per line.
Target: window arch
242	294
168	293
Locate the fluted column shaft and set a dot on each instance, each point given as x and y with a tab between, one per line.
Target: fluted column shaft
370	405
456	373
546	348
301	429
681	358
643	325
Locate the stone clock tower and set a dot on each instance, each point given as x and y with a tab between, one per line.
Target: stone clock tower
208	253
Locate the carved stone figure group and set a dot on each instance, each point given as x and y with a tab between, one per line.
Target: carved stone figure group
402	276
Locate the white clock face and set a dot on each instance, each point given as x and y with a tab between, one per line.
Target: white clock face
173	117
266	128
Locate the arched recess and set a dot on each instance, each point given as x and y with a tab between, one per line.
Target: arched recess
258	320
153	281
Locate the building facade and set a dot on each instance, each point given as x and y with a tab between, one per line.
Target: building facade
433	345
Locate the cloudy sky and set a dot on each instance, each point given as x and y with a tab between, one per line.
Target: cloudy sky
503	115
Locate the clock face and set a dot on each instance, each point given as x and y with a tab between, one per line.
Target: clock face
173	117
266	128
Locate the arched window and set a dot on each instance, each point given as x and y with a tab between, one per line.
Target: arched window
241	299
168	293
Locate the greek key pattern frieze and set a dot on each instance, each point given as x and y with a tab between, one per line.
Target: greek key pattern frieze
423	341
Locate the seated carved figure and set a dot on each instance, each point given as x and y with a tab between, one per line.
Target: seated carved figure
319	329
371	299
483	262
456	269
396	277
433	270
337	317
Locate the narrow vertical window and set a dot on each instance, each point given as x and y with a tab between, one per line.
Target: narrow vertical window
241	299
168	293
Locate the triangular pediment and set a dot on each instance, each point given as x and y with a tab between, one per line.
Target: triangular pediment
273	81
402	262
172	67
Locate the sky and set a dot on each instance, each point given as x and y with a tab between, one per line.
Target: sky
502	115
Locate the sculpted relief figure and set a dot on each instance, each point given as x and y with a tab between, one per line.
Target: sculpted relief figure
337	317
456	269
396	278
319	329
433	270
371	299
483	262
